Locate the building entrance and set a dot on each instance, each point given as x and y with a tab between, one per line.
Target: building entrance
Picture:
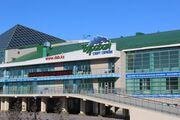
106	86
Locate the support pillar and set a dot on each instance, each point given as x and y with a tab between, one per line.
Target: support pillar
95	108
119	111
43	104
82	107
6	104
102	109
24	105
113	109
64	105
125	114
2	104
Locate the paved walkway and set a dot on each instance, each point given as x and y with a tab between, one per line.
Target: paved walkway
50	116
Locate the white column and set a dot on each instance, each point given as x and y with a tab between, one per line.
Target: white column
2	104
64	105
82	107
95	108
102	109
24	105
6	104
43	104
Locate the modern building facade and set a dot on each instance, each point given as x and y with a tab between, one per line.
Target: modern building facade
141	65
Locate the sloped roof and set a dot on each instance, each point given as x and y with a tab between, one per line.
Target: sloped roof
148	40
139	41
19	36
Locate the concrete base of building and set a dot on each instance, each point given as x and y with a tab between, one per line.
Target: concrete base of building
82	113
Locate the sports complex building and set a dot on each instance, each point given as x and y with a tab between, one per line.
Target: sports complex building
40	67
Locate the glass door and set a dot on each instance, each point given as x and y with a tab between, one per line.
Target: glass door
106	86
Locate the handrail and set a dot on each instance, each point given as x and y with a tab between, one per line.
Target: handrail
135	101
110	95
97	71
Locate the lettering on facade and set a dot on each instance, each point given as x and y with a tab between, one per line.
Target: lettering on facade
152	75
55	57
97	44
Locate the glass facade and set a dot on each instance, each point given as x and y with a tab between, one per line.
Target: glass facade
23	71
78	85
165	59
72	85
106	85
79	67
29	87
156	60
2	56
169	85
111	65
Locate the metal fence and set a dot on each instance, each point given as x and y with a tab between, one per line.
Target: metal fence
113	95
120	97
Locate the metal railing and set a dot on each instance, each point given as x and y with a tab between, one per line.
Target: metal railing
119	97
140	102
111	95
97	71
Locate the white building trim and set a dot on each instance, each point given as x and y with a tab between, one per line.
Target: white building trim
152	47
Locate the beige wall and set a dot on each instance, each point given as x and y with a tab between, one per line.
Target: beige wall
58	66
145	114
13	53
120	67
99	66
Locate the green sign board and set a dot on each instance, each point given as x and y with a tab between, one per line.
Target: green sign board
98	44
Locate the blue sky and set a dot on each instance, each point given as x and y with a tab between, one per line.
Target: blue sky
70	19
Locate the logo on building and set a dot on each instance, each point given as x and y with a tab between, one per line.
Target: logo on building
99	43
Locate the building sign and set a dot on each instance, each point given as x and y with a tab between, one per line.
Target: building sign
156	95
50	73
99	45
55	57
152	75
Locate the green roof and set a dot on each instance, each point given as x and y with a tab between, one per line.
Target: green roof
147	40
139	41
30	56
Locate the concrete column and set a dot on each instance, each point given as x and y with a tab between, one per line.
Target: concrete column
125	113
113	109
95	108
24	105
102	109
2	104
6	104
43	104
120	67
82	107
64	105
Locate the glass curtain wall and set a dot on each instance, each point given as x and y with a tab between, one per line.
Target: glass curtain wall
111	65
24	71
73	86
156	60
166	59
169	85
106	85
2	56
78	67
20	88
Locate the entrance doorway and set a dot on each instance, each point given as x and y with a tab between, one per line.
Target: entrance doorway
106	86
